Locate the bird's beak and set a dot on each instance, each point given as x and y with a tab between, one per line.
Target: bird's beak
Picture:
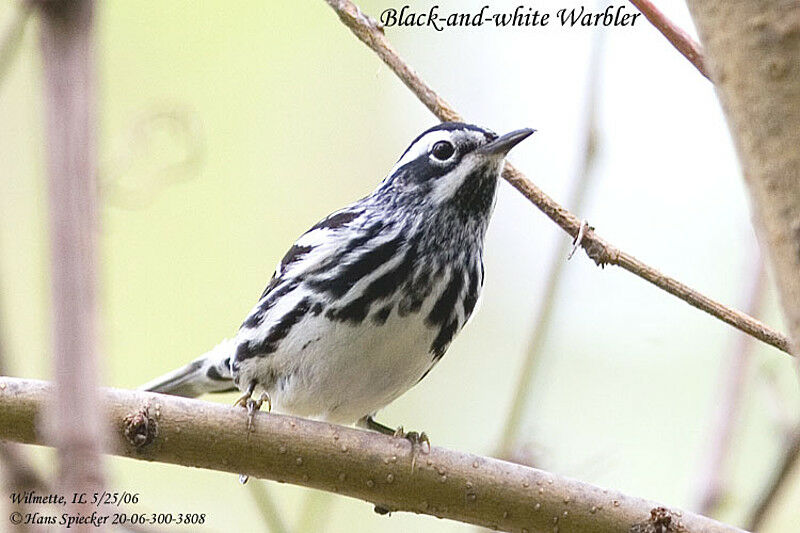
503	144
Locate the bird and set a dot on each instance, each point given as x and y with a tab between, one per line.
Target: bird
366	302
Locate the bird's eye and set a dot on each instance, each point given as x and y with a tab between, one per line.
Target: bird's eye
442	150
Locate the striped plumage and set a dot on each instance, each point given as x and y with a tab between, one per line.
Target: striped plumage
365	303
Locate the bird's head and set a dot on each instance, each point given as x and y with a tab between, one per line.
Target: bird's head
452	165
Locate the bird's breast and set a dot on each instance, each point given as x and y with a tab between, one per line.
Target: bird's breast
340	357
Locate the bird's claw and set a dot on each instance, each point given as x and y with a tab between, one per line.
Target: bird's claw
417	439
253	406
242	400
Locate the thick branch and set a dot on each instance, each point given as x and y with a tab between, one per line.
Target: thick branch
368	466
754	52
681	40
602	252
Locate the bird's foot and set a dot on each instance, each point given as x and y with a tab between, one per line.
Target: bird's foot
254	406
246	401
417	439
241	401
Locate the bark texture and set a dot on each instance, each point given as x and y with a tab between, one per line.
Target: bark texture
753	47
369	466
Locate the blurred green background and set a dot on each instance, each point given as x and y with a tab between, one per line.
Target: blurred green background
227	129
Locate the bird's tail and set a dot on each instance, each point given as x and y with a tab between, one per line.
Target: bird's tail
208	373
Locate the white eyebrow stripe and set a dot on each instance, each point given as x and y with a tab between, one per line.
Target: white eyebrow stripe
422	146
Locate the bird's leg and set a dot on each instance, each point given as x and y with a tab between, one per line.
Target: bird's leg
242	400
373	425
416	439
246	400
253	406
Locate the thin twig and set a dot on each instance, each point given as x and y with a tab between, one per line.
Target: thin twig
681	40
548	300
67	41
711	481
770	494
360	464
600	251
266	506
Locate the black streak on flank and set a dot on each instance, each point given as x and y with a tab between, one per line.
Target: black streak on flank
273	281
276	334
445	305
379	289
443	339
382	315
337	220
270	298
320	284
368	262
472	294
294	254
444	315
307	344
416	294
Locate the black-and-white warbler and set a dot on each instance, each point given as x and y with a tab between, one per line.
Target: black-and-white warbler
368	300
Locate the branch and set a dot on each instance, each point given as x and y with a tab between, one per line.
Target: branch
711	487
759	97
599	250
770	493
756	44
364	465
67	52
681	40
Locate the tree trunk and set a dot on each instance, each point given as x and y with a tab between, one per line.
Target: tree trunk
753	48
